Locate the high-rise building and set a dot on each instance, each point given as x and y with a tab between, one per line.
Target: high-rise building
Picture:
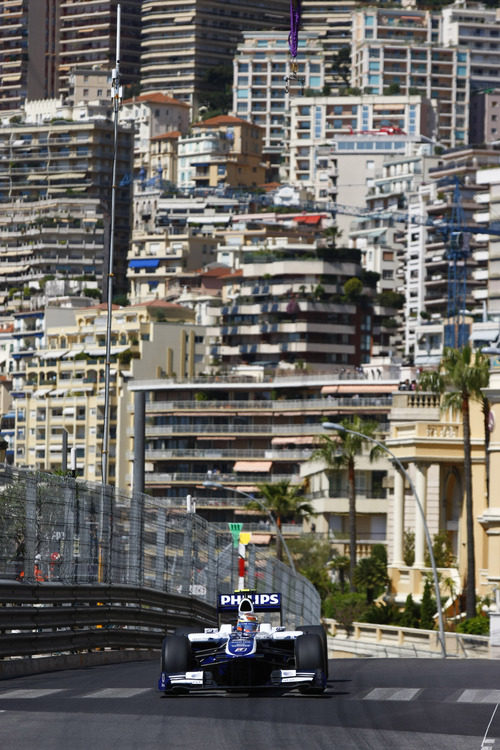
399	51
87	38
26	24
332	22
66	158
261	93
181	42
42	41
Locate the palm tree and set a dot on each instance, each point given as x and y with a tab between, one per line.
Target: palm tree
340	563
340	453
282	500
461	376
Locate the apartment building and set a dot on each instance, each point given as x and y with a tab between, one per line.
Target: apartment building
222	151
23	24
386	233
43	41
490	211
317	121
477	28
332	22
261	93
157	258
86	37
437	288
68	158
65	382
243	429
164	157
151	116
181	43
57	237
400	50
286	307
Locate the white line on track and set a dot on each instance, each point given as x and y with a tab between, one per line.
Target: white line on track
479	696
30	693
392	694
117	693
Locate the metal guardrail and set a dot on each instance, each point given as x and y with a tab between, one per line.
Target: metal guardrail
36	619
67	545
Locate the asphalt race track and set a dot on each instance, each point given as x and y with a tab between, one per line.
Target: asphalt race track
377	704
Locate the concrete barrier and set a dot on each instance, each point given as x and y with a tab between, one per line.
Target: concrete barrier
371	639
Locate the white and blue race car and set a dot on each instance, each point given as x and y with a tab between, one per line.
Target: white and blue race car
249	655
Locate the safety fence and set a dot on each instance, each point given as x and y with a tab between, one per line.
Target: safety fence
56	532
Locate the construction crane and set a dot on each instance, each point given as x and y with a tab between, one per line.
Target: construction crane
456	237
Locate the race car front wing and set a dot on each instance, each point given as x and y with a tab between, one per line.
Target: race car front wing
201	680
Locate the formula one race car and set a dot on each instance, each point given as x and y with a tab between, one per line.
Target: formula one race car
246	656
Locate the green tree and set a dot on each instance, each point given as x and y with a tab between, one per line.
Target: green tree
460	377
353	289
409	547
311	555
340	453
427	608
443	553
282	500
341	65
216	88
410	614
345	608
340	563
331	235
371	575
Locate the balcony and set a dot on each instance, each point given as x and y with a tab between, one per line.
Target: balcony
280	405
226	453
229	479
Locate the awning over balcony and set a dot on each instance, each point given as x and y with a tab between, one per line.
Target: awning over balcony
251	466
294	440
41	392
360	388
144	263
310	219
53	353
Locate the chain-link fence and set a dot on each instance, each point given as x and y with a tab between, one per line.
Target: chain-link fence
56	529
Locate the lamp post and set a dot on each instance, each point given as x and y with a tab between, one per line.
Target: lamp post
218	485
341	428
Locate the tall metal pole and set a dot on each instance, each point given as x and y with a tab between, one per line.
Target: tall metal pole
263	507
116	93
341	428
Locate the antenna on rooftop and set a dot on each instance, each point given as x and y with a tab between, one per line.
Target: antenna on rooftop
116	96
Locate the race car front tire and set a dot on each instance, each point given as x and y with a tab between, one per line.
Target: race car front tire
309	657
318	630
176	654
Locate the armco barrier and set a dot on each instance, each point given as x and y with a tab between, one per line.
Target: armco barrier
53	618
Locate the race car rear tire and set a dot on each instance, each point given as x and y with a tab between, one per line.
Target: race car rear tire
310	657
175	654
318	630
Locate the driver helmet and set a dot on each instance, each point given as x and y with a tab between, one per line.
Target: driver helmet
247	624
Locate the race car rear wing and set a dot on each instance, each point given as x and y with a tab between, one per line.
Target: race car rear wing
261	602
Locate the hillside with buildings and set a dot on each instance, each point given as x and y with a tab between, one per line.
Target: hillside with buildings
294	240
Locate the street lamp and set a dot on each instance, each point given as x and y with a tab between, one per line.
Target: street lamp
341	428
220	486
